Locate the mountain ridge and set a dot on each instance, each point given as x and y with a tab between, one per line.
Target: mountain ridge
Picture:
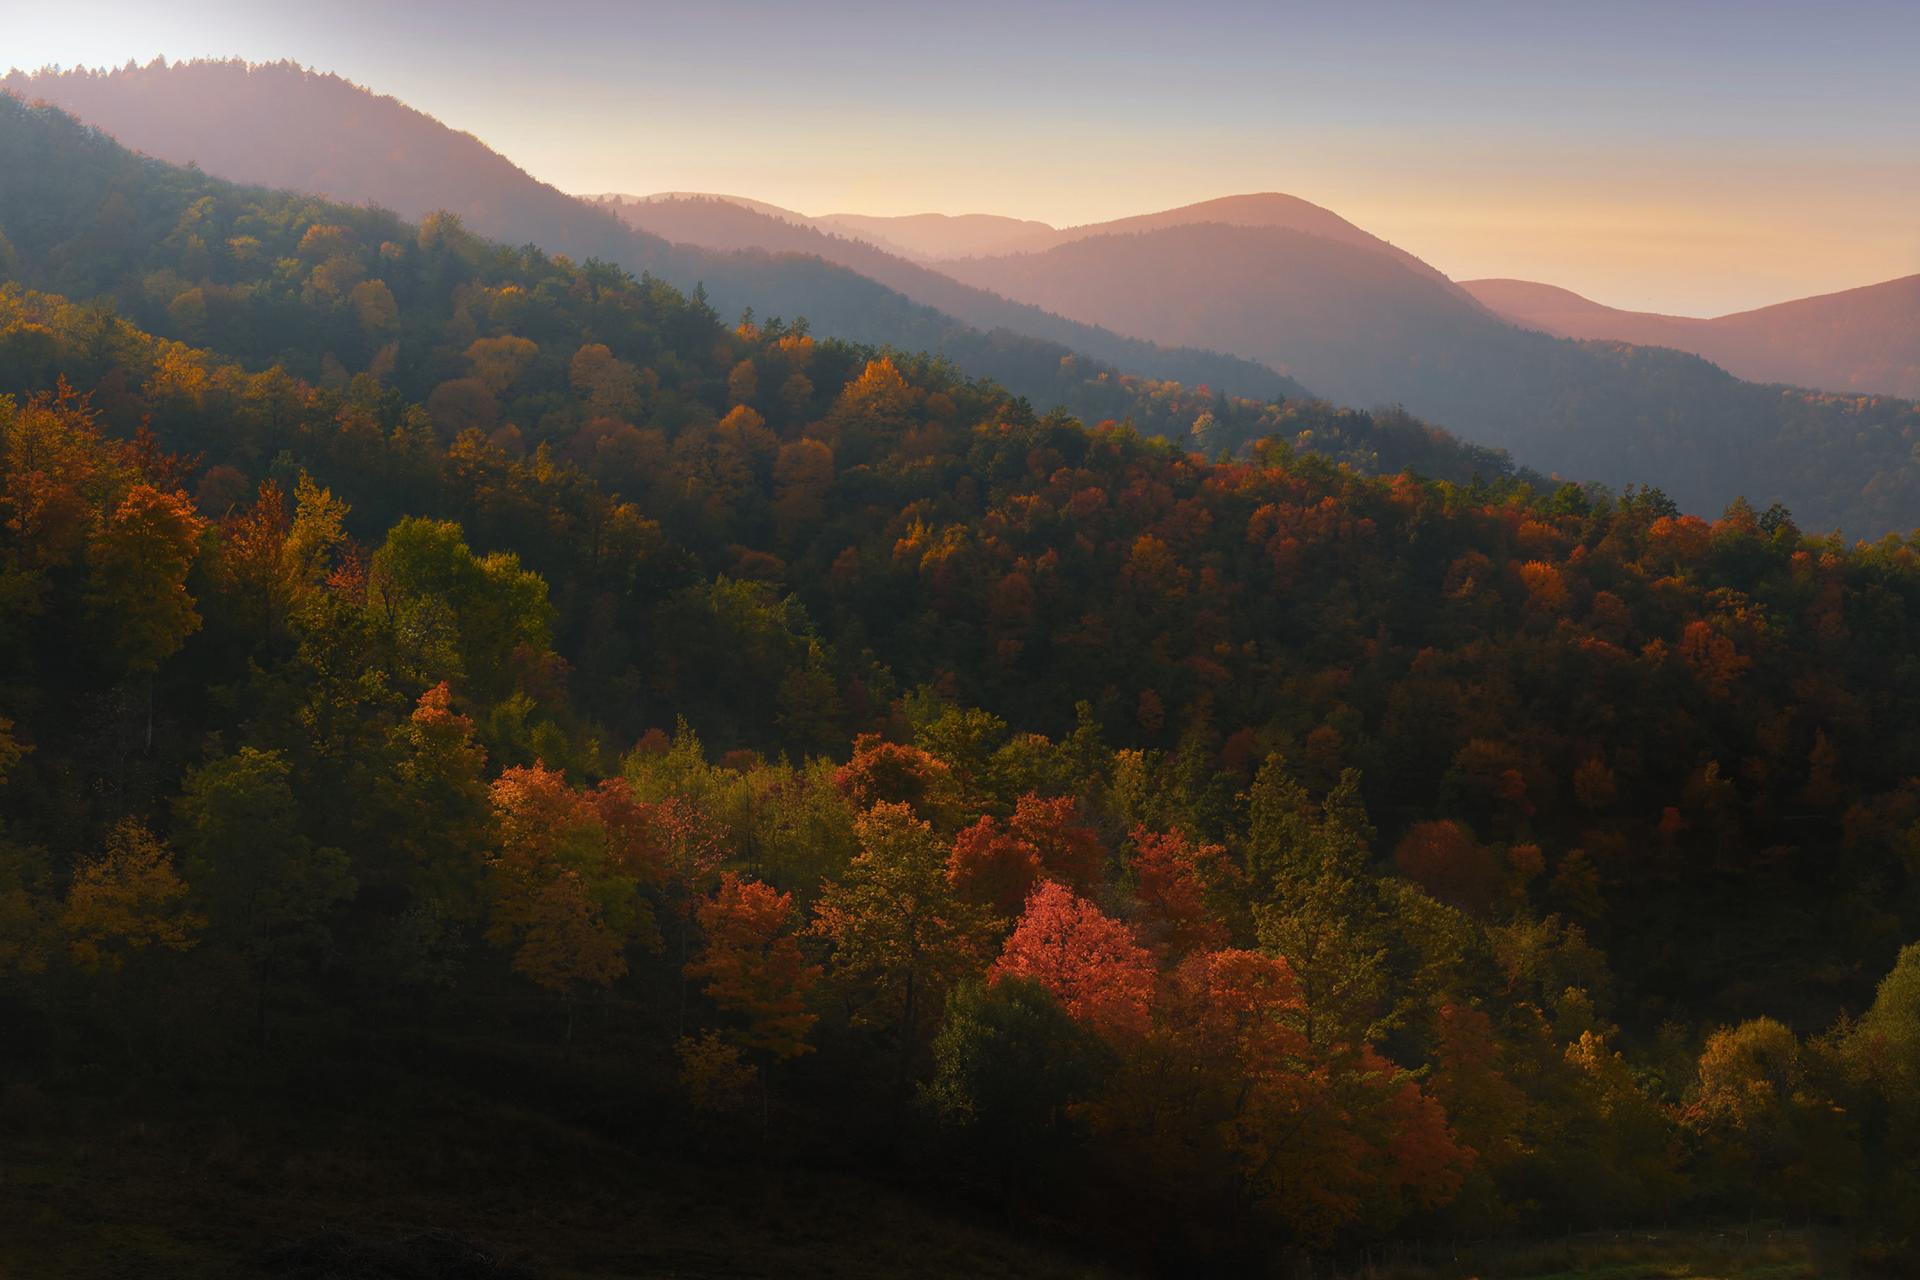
1864	339
323	134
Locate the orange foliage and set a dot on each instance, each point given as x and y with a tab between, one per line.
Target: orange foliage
753	967
1092	963
1171	878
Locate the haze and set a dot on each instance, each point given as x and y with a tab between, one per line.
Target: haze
1694	163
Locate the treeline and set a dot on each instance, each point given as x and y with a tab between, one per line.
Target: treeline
1237	855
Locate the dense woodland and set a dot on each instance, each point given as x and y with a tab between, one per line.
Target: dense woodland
1294	834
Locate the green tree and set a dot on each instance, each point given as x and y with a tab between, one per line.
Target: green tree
268	892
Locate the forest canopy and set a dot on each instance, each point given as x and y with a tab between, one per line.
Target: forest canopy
1244	827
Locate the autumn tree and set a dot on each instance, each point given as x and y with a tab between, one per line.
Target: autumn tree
753	968
137	582
1444	859
560	896
126	901
1090	962
1758	1104
1173	878
997	862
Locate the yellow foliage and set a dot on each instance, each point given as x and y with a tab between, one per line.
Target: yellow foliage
126	901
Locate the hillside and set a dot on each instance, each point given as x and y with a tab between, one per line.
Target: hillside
730	225
1271	210
489	743
282	126
1865	340
201	260
1357	325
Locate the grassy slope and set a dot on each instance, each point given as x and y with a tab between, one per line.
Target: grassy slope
314	1175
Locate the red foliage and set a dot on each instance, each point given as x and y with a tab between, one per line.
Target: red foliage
1444	859
1171	878
998	863
882	772
635	832
992	865
754	968
1092	963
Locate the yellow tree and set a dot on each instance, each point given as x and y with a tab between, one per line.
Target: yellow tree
126	901
137	585
563	897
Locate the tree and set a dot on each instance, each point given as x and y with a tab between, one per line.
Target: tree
1091	963
500	363
435	809
443	602
886	773
803	477
126	901
1885	1042
267	890
137	581
1766	1124
1444	859
998	863
611	386
753	968
1881	1055
1227	1101
562	897
993	866
1172	879
900	936
1007	1063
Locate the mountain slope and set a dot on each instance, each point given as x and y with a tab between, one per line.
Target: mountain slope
197	259
731	225
1290	298
1865	339
281	126
1356	324
935	235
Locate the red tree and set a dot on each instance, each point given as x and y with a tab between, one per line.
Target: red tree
753	966
1092	963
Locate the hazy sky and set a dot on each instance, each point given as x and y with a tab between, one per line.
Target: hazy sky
1695	156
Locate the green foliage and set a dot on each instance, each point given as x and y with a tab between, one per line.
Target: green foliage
263	882
1007	1063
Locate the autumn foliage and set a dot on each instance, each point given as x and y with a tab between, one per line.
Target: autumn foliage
1090	962
517	673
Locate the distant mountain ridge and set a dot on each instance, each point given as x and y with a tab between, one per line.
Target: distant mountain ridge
934	236
730	224
280	125
1865	339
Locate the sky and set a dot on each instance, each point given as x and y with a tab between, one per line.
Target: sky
1689	156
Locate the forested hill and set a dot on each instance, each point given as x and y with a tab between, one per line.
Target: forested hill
284	127
496	674
329	290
